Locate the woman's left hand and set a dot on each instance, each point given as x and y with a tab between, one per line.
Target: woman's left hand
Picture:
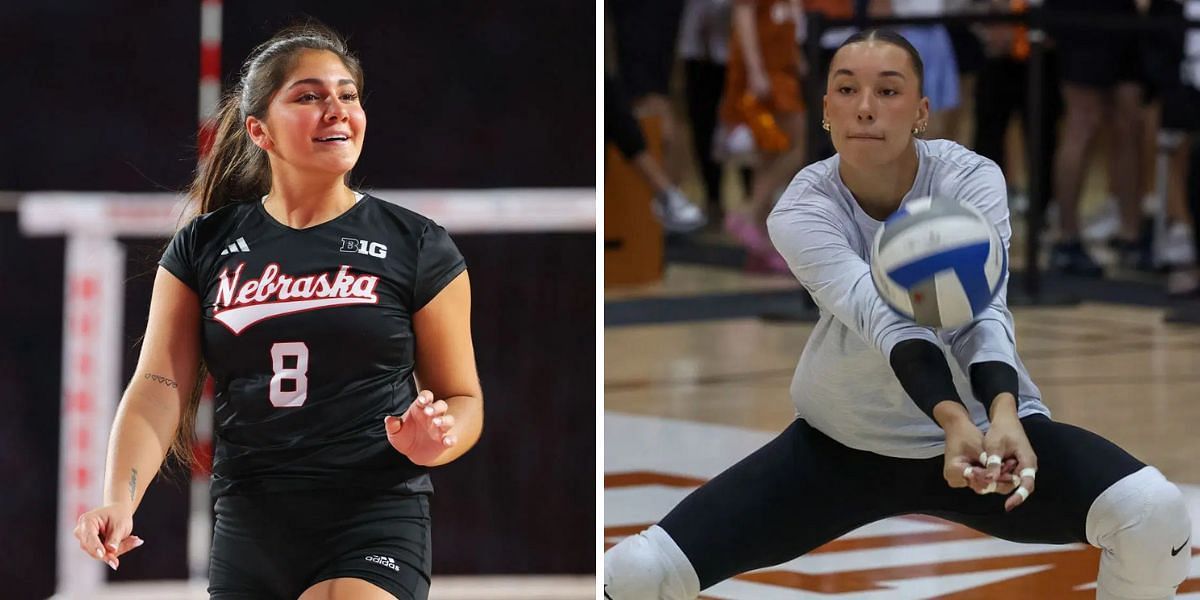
422	433
1006	439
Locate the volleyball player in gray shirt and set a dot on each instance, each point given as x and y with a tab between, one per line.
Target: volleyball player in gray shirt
895	418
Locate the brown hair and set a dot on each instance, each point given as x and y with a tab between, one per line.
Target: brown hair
891	37
235	169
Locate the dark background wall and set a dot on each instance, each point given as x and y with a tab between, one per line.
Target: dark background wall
458	93
103	96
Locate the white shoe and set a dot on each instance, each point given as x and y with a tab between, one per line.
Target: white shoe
1183	281
1104	224
1177	247
676	213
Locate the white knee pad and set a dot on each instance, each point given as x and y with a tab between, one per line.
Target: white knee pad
649	566
1142	526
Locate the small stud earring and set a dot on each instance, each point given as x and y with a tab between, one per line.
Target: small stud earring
825	124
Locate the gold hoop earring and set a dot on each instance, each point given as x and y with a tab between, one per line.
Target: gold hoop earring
825	124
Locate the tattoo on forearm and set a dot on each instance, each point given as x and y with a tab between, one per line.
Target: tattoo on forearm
160	379
132	484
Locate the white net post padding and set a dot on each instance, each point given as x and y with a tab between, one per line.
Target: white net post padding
93	291
92	353
199	517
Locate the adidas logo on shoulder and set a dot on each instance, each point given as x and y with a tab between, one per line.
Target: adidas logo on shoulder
239	246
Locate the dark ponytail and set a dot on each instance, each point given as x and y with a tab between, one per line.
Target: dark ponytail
235	169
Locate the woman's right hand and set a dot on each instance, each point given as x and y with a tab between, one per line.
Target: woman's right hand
964	444
104	533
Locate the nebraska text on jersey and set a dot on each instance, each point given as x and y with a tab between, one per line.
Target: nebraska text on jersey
275	294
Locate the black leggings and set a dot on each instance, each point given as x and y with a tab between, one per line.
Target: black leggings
804	489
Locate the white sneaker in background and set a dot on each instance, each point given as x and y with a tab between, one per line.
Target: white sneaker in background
1178	248
1104	225
1183	281
676	213
1018	202
735	145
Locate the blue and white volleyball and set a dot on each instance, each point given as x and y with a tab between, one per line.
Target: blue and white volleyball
938	262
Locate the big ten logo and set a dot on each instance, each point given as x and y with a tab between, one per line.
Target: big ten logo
364	247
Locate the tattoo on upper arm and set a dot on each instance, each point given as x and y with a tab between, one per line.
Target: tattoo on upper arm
160	379
132	484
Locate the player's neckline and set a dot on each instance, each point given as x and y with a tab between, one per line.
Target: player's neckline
359	199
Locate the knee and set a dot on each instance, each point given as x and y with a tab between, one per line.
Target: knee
648	566
1142	524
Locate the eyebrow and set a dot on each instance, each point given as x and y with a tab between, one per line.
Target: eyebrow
881	73
313	81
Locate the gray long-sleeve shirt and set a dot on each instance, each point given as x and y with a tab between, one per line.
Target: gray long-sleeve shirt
844	384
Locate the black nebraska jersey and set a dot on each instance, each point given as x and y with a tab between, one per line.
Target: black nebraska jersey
308	336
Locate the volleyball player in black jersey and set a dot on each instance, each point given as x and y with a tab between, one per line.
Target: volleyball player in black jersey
313	307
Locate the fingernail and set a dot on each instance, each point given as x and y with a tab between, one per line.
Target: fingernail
113	547
429	411
138	542
448	440
112	564
99	553
438	421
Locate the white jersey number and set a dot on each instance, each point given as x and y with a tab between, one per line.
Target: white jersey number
295	376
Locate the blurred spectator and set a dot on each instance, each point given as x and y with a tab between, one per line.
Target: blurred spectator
1180	122
704	36
1003	89
1160	56
1102	83
645	41
676	213
763	106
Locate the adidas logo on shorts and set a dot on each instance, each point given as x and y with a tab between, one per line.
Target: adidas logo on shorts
385	561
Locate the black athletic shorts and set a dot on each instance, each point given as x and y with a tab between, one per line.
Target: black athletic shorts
1181	109
278	545
645	39
1102	58
804	489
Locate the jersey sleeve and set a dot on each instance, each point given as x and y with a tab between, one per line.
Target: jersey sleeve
990	336
839	280
179	257
438	263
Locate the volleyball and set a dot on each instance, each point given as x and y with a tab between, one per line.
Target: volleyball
938	262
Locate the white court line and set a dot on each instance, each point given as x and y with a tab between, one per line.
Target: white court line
917	587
